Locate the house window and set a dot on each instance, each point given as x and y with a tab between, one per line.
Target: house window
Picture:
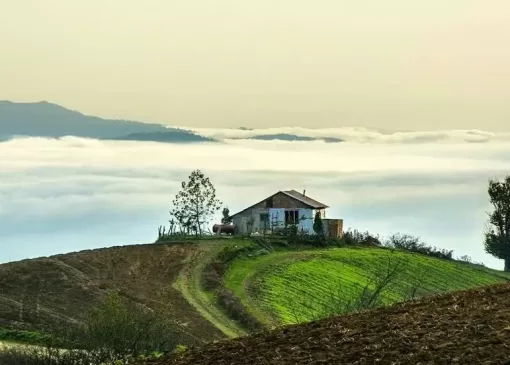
269	203
291	216
264	220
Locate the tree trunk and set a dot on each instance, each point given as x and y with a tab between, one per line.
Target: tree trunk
507	265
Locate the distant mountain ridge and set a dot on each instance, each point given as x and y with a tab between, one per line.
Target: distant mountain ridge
293	137
44	119
172	136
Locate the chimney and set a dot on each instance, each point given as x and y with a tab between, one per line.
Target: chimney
304	192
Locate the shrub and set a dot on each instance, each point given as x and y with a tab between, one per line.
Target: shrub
415	244
179	349
112	333
235	309
212	280
466	258
318	225
356	238
27	337
23	355
115	330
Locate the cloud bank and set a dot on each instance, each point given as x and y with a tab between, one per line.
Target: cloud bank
71	194
362	135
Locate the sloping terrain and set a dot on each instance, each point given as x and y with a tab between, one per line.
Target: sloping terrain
299	286
34	293
288	286
470	327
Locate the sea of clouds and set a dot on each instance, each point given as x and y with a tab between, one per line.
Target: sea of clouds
362	135
69	194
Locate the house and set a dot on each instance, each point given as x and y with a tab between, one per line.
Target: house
282	209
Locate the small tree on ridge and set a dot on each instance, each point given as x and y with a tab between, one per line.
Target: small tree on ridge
196	203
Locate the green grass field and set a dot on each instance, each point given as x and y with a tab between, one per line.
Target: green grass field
293	286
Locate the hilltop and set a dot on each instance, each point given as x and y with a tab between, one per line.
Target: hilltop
45	119
469	327
217	288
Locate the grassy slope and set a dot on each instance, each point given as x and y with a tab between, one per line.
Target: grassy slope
281	287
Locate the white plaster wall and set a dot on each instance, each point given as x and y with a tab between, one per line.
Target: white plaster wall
306	224
276	215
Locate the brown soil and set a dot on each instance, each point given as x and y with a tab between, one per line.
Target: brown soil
469	327
35	293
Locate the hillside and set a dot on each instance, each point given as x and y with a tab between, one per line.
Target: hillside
34	293
45	119
299	286
469	327
281	287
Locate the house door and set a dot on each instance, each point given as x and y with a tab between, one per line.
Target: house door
264	221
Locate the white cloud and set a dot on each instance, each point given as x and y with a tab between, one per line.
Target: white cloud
245	155
363	135
119	192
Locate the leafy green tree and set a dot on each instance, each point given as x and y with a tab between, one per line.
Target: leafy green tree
226	216
196	203
497	235
318	224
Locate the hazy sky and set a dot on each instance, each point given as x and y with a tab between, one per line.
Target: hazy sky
394	64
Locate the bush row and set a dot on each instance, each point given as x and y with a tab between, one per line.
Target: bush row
212	280
396	241
28	337
18	355
415	244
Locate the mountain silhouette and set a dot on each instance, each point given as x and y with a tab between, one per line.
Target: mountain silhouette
293	137
44	119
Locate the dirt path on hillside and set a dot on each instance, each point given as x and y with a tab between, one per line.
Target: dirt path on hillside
189	284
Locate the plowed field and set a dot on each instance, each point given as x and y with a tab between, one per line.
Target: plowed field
468	327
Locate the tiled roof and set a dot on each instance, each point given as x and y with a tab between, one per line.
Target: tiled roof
305	199
294	195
